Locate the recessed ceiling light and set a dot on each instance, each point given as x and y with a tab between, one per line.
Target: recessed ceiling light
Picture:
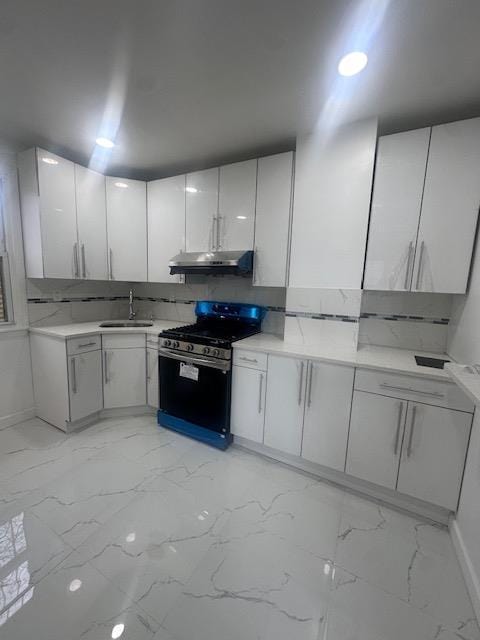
241	217
75	585
191	189
105	142
49	160
118	630
121	185
352	63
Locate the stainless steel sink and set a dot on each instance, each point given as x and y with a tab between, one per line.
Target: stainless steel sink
112	324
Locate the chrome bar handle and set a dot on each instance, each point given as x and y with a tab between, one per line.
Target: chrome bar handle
260	391
245	359
433	394
84	264
219	219
399	423
76	272
300	384
410	247
87	344
309	402
412	429
111	265
105	367
420	265
74	376
148	365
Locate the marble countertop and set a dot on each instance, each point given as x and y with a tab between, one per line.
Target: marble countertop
369	357
74	330
466	378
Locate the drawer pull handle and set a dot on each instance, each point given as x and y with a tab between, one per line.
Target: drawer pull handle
434	394
248	359
87	344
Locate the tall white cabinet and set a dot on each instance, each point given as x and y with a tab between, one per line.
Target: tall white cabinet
127	229
202	210
272	219
236	206
166	226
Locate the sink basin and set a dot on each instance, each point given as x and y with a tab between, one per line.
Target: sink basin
126	323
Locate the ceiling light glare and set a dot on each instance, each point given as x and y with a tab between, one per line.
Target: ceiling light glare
75	585
105	142
121	185
49	160
191	189
352	63
118	630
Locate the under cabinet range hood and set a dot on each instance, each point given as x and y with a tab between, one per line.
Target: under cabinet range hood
237	263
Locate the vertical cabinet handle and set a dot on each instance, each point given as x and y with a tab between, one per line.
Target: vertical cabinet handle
399	425
105	367
420	265
300	383
111	264
309	401
76	272
74	376
84	264
410	247
412	429
148	365
219	219
260	390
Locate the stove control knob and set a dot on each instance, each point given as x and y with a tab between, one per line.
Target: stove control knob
166	343
190	347
176	344
216	353
206	350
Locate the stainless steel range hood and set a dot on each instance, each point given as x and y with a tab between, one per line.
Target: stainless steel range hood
237	263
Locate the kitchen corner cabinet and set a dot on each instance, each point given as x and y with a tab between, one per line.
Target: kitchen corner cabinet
127	229
49	219
236	206
201	210
166	226
124	370
272	219
424	209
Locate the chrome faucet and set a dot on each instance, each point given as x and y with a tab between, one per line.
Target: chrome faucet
131	312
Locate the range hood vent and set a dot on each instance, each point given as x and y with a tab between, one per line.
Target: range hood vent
237	263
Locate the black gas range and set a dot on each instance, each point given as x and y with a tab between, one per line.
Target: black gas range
195	369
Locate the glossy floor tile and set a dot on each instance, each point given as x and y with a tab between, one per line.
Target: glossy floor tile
125	530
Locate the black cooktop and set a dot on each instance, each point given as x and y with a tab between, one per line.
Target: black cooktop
213	331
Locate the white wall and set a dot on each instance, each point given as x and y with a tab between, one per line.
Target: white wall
16	390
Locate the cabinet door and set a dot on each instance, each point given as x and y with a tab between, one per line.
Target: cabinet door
127	229
248	403
124	377
285	404
92	223
85	384
395	213
236	206
56	183
201	210
152	378
433	457
272	219
450	208
166	226
327	414
374	444
333	184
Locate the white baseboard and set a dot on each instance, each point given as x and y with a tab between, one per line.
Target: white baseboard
472	580
14	418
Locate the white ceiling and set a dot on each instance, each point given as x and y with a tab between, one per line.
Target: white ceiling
184	84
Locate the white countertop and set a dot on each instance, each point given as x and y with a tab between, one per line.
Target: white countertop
467	381
74	330
370	357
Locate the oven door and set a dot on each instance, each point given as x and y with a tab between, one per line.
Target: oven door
195	389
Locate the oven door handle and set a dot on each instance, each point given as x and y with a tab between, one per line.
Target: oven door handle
204	362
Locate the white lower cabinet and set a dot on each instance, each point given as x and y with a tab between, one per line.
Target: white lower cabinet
327	414
248	403
284	405
85	384
152	378
124	377
433	455
374	445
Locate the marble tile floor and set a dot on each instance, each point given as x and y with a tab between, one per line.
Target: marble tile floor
125	530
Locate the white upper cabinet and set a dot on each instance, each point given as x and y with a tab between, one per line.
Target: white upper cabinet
202	210
236	206
333	183
450	208
47	192
92	223
166	226
127	229
272	219
396	204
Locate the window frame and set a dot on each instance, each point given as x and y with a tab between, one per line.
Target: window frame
5	275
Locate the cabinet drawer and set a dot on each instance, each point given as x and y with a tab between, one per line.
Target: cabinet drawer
434	392
251	359
83	344
123	340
